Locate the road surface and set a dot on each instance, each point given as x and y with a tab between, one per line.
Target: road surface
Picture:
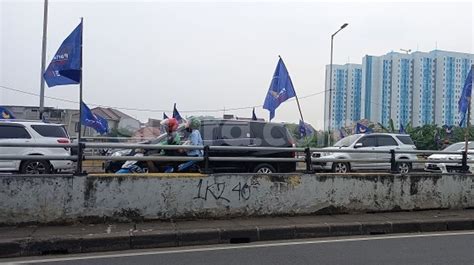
429	248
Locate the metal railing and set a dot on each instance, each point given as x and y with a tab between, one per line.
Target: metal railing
113	139
307	157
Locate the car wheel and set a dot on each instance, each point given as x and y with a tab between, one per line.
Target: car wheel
264	169
403	167
35	167
339	167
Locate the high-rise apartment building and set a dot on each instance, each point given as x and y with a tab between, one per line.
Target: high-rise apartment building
346	95
418	88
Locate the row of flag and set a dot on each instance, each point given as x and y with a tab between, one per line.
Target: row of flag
66	68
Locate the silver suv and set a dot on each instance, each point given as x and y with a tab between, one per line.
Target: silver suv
362	142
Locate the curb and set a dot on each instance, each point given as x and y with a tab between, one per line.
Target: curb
208	236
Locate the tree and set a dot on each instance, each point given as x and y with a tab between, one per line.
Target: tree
424	136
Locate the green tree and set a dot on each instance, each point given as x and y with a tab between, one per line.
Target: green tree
309	141
424	136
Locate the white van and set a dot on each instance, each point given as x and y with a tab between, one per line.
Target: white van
19	131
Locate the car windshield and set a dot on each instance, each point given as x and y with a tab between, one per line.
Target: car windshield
458	146
347	141
405	139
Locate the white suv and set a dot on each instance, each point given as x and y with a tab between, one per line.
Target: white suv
17	131
362	142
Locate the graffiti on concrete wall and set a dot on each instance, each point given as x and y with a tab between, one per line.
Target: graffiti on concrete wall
210	189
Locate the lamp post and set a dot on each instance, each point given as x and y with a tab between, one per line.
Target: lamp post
43	58
330	82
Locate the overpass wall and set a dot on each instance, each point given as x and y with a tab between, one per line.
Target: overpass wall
46	199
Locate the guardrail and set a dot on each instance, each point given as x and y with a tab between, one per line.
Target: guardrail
308	158
114	139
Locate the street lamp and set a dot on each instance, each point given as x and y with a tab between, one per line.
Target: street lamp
330	82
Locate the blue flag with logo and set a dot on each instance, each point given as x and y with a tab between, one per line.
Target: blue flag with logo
305	129
65	67
5	114
96	122
176	114
281	89
401	129
165	116
465	98
254	117
360	128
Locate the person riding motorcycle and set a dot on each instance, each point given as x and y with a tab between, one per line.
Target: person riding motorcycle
195	138
169	125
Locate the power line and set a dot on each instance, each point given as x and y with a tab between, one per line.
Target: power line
150	110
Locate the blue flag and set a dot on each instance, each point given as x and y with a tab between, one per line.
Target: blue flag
401	129
176	114
65	67
254	117
465	98
96	122
165	116
360	128
5	114
281	89
305	129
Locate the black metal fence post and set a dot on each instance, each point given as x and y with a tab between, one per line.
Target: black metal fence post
309	163
80	158
206	169
393	162
464	167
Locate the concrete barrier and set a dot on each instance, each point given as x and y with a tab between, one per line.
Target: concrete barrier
47	199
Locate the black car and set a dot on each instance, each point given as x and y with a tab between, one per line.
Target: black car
237	133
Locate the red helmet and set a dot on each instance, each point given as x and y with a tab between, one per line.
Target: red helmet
171	124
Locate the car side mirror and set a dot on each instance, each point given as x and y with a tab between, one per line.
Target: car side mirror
357	145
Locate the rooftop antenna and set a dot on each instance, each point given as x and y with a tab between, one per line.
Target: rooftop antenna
436	45
407	51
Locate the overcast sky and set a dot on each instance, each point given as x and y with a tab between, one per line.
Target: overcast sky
211	56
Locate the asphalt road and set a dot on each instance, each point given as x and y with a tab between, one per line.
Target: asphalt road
441	248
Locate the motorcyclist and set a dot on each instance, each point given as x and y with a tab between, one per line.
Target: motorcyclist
192	126
169	125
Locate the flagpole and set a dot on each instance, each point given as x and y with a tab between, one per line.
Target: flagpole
299	108
43	58
79	138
